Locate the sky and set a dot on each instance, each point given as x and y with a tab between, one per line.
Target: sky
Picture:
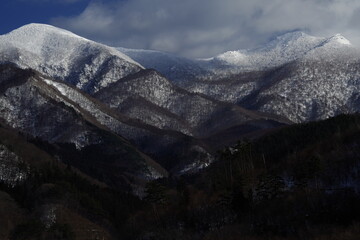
190	28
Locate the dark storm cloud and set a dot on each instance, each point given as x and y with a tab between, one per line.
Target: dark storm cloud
203	28
51	1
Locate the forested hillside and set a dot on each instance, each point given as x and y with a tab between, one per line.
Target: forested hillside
299	182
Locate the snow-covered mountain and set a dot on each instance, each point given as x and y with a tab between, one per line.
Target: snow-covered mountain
295	75
151	98
57	113
283	49
279	51
91	67
309	89
63	55
142	105
303	79
249	78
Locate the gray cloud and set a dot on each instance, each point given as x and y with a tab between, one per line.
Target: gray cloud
203	28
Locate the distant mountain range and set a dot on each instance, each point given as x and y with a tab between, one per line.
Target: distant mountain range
171	112
297	76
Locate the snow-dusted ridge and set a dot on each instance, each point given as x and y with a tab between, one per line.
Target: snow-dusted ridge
59	113
63	55
279	51
297	76
340	39
283	49
34	36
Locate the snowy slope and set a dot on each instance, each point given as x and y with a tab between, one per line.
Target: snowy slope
153	99
10	171
65	56
313	89
58	113
283	49
317	78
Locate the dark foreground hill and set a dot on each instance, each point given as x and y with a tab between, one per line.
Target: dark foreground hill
299	182
42	198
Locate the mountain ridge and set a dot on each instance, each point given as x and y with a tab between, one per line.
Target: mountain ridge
65	56
267	78
282	49
35	108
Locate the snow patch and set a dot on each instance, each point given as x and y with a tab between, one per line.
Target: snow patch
12	169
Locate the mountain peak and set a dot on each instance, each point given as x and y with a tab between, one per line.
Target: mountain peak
282	49
39	29
43	39
338	38
64	55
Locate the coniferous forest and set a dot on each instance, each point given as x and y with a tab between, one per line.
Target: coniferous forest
296	182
